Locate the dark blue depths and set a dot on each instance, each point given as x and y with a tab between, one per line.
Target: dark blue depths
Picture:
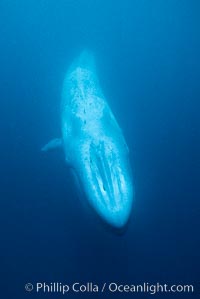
148	60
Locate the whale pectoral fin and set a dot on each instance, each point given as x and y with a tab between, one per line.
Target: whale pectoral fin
54	143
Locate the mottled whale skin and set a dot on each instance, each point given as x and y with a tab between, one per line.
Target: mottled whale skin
94	144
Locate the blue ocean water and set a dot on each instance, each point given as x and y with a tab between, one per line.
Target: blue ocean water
148	62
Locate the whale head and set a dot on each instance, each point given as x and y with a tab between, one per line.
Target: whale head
107	180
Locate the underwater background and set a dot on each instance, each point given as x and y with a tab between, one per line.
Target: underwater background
147	55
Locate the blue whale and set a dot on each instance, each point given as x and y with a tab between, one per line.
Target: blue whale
94	144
